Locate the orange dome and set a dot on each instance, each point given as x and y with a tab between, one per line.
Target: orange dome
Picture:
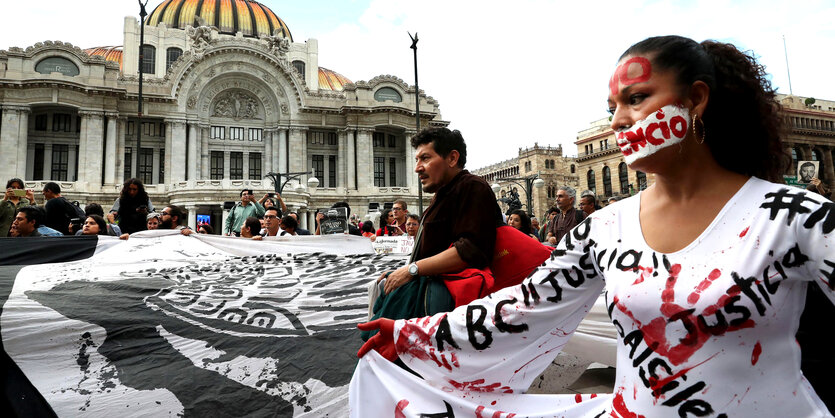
110	53
331	80
249	17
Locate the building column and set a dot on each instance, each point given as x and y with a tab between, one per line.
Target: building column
409	166
296	151
121	128
177	152
155	164
302	218
169	135
13	131
350	160
342	159
193	154
47	161
226	163
192	216
90	149
245	165
311	220
110	149
268	150
281	146
204	151
365	158
826	171
72	163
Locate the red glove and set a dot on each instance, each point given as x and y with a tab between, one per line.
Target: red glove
383	341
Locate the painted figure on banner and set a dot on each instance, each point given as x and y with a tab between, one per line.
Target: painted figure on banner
704	273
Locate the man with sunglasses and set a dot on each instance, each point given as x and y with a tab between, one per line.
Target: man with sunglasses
247	207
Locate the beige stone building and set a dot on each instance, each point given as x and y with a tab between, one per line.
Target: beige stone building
811	136
229	96
545	162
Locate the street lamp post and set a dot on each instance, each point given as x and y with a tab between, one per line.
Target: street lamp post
529	183
312	183
417	114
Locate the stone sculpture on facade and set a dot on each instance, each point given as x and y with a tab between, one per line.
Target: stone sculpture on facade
236	105
200	36
277	44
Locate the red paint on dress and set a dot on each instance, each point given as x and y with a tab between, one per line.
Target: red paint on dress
694	297
398	409
478	385
619	406
755	355
744	231
416	341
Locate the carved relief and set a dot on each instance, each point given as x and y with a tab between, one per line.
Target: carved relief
192	101
277	44
200	36
236	105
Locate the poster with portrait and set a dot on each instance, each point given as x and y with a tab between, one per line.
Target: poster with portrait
335	221
806	170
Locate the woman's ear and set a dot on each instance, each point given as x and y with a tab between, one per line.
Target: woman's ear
699	95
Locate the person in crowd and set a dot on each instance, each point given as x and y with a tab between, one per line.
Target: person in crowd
352	229
299	229
815	185
94	225
152	221
551	215
96	209
59	211
459	226
613	200
588	203
205	229
272	227
568	217
412	224
26	222
388	224
251	227
399	210
277	202
535	228
519	219
132	207
172	217
245	208
705	271
14	199
367	229
288	226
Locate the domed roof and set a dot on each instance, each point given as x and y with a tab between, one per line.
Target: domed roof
110	53
331	80
249	17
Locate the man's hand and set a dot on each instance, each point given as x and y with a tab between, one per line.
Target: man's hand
552	240
384	275
319	217
124	236
111	217
186	231
382	342
397	278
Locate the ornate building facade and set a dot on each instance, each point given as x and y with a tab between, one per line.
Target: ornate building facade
546	162
810	136
229	96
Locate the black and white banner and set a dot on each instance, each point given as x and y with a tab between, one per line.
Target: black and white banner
169	325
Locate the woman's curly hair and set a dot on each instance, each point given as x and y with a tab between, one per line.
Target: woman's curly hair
742	121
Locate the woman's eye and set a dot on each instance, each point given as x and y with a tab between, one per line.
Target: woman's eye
636	98
611	110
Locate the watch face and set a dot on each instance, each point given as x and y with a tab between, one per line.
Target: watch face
413	269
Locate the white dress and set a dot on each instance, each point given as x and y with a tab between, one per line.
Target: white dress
705	331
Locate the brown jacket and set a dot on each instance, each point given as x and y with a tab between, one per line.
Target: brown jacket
463	213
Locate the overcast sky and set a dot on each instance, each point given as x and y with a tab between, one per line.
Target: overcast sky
507	74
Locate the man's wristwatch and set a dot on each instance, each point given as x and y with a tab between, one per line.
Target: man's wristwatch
413	269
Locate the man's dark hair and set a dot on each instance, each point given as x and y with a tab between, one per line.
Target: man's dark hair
274	209
253	224
806	164
288	222
247	191
443	141
177	211
141	194
15	180
207	227
590	196
52	187
94	209
342	205
367	226
552	210
33	213
413	216
99	220
402	203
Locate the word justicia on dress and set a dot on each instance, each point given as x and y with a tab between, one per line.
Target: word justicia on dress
663	128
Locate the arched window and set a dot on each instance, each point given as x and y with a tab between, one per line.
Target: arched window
573	169
299	66
642	180
171	55
148	59
590	181
623	175
607	181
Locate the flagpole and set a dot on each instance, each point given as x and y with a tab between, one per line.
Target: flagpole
786	53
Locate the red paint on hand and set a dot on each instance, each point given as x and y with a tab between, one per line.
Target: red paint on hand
416	340
382	342
478	385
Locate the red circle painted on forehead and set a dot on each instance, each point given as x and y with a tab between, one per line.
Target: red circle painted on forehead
621	74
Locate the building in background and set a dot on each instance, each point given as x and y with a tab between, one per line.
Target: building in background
545	161
810	136
229	96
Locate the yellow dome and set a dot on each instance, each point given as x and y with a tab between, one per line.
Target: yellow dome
331	80
249	17
109	53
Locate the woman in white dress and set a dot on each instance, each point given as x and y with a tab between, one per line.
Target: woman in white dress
705	272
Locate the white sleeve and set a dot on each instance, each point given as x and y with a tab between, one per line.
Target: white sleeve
115	207
815	232
504	341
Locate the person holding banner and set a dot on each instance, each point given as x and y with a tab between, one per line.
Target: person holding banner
704	273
